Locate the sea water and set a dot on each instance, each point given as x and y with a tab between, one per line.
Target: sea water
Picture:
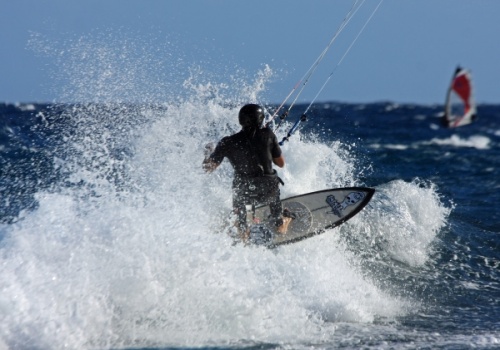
113	237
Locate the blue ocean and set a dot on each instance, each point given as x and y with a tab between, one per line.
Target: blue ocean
113	237
111	234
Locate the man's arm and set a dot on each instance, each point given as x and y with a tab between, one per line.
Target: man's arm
209	164
280	161
276	151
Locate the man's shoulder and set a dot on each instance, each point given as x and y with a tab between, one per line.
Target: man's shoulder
266	132
232	138
267	135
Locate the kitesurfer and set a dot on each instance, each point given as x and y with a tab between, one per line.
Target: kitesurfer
252	152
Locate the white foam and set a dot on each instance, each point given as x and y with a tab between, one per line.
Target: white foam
475	141
405	220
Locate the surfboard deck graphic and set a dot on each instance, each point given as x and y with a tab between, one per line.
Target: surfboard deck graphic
313	213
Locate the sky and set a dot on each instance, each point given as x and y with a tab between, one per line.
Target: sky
406	53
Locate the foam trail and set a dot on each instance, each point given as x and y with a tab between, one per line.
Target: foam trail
475	141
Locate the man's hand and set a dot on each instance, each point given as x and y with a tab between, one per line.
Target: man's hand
209	165
209	149
280	161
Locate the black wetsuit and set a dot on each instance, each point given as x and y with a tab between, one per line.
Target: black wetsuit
250	152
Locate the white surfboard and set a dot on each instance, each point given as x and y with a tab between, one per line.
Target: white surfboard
313	213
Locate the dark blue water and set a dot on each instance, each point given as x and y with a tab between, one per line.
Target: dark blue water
109	236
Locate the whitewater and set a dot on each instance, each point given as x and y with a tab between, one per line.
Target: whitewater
125	245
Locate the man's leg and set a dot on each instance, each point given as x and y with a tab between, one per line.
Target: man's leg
240	211
276	209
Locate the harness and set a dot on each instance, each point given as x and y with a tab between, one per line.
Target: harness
257	186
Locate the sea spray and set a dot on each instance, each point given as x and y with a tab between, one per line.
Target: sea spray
125	249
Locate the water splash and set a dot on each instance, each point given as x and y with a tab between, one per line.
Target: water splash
126	249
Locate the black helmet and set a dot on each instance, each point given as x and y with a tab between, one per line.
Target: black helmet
251	116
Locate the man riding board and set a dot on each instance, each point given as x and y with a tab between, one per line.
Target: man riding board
252	152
